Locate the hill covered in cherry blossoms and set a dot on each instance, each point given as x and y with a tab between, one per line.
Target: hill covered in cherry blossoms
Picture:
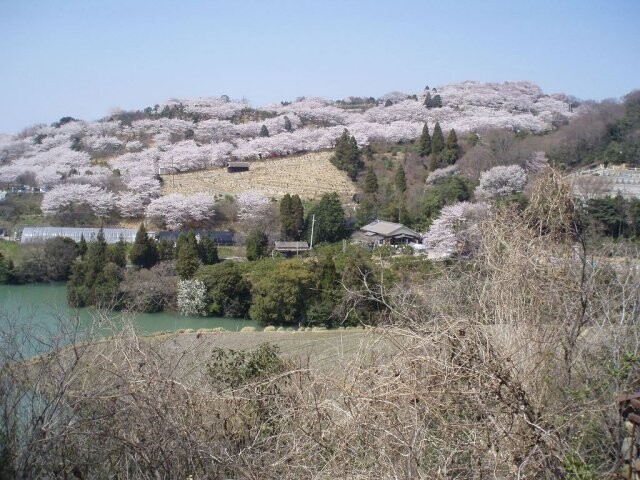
112	164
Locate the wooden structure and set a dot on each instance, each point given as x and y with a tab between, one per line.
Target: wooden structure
289	249
234	167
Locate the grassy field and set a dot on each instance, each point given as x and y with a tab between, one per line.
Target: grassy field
308	175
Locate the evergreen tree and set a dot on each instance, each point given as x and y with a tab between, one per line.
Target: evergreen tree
450	153
208	251
82	246
291	216
144	252
166	250
96	257
347	155
264	132
427	100
287	124
117	253
330	223
187	260
257	245
285	215
400	180
437	141
424	143
371	182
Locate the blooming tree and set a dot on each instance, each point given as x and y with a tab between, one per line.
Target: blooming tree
453	232
191	297
63	197
501	181
176	210
252	204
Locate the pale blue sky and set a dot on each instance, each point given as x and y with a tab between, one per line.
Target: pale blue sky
85	57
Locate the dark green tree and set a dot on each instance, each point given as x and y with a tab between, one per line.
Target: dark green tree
437	141
228	292
291	216
144	252
166	250
400	180
424	143
347	155
371	182
287	124
257	245
82	246
208	251
117	253
280	295
59	255
330	224
264	131
187	259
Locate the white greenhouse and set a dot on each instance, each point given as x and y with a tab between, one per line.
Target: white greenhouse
111	235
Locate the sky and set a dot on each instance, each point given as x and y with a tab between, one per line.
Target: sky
85	58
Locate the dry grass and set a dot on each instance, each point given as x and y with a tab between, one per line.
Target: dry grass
309	176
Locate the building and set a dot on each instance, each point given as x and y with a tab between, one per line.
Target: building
42	234
233	167
219	238
289	249
380	232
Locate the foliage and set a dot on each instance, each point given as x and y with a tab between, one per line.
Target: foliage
117	253
144	252
445	191
330	219
191	297
291	216
371	182
347	155
176	210
280	296
232	368
166	249
228	292
187	255
150	290
207	250
424	142
257	245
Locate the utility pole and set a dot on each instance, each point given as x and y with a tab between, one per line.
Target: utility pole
313	223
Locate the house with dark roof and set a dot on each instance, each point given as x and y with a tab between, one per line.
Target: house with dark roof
380	232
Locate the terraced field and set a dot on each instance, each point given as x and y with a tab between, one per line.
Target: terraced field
308	175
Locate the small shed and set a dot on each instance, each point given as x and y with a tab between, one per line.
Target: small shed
234	167
289	249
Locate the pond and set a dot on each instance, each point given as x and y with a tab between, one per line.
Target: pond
44	304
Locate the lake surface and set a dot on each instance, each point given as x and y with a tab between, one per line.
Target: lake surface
45	304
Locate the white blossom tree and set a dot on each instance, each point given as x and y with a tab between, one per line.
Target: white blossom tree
64	197
501	181
176	210
191	297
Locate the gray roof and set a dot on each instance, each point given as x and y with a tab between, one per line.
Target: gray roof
41	234
291	246
389	229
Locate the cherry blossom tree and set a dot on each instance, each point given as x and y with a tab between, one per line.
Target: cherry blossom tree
453	232
64	197
176	210
501	181
252	204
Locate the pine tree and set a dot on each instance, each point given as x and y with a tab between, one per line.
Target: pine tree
208	251
144	252
264	132
187	259
117	253
347	155
437	141
424	143
450	154
287	124
257	245
400	180
330	223
285	215
427	100
82	246
371	182
297	214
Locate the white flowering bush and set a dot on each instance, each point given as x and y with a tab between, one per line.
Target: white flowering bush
191	297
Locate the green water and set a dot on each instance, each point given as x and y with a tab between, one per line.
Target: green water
45	304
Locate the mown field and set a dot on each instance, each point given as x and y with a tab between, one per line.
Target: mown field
309	176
